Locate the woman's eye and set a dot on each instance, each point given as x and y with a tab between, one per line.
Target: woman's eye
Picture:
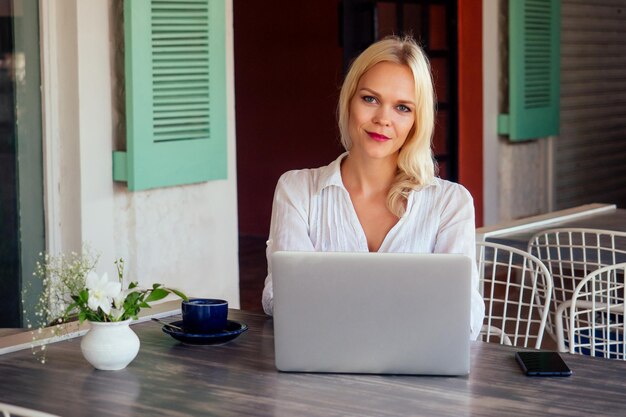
369	99
404	108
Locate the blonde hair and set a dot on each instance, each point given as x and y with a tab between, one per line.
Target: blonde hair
416	165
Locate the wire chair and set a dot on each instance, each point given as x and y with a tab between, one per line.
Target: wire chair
516	287
570	254
596	315
8	410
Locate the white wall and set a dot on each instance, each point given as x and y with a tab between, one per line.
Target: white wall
185	236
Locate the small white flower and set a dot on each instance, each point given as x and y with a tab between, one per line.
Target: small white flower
102	292
118	301
116	313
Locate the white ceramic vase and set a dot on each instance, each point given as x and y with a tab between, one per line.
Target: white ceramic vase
110	346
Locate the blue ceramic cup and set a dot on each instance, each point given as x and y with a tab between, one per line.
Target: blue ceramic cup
204	315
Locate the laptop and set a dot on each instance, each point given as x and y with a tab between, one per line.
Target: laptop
373	313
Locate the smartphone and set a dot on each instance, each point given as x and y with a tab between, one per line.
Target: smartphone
542	364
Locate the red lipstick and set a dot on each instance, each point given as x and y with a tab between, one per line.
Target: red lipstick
378	137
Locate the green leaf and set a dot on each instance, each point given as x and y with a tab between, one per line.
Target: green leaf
179	293
84	295
157	294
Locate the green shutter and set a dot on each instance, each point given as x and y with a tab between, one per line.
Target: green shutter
175	93
534	49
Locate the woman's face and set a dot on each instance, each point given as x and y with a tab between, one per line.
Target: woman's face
382	111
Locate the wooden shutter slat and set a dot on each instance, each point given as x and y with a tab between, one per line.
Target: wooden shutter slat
181	107
172	3
181	136
178	35
164	115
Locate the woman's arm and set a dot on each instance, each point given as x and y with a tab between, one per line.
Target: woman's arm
289	228
457	234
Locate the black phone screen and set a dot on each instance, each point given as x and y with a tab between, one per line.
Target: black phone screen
542	364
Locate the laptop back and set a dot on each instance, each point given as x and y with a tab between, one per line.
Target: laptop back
380	313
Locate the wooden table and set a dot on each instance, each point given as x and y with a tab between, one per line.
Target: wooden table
239	378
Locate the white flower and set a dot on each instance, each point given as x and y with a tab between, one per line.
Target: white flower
102	292
116	314
118	301
118	305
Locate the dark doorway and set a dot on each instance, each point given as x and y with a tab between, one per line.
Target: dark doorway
288	69
9	255
21	162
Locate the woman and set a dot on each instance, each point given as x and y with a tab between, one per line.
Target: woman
382	194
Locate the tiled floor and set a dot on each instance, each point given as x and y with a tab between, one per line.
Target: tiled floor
252	271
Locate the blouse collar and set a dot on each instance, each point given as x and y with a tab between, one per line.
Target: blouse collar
331	175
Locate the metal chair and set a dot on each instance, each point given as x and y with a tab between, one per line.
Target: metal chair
516	288
570	254
8	410
596	315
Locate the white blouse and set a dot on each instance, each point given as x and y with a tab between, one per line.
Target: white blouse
312	211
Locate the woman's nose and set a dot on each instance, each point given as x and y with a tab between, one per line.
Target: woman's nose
382	117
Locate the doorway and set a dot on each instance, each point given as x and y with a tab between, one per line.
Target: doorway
21	161
288	69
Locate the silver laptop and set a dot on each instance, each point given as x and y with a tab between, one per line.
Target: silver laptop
379	313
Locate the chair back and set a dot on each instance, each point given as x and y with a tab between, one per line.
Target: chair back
596	315
570	254
517	288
